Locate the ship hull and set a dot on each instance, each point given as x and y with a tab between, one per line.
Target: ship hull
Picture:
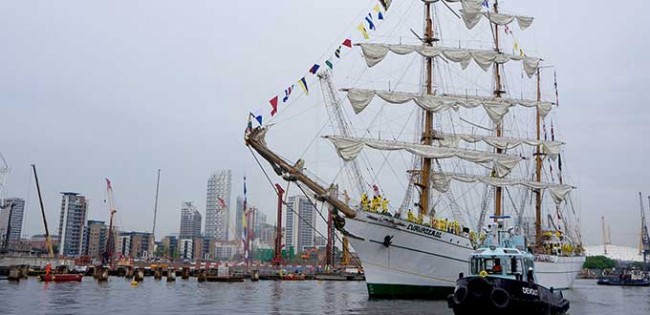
403	260
423	263
558	272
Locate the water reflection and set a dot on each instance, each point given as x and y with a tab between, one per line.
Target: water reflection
263	297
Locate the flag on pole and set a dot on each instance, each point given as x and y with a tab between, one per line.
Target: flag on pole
363	30
303	84
274	105
347	43
371	25
314	68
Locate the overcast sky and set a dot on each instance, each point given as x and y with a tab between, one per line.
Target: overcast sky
118	89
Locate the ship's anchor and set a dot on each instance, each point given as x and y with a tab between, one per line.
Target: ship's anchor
388	240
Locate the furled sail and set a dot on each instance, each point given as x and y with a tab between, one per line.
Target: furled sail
349	148
441	180
550	148
496	108
375	53
497	18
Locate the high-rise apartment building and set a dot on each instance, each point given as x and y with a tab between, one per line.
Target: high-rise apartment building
71	223
239	214
217	205
258	221
190	221
11	220
94	239
300	221
135	244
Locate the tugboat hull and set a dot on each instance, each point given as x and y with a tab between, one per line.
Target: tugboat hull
479	295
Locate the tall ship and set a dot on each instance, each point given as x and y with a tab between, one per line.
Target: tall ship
465	143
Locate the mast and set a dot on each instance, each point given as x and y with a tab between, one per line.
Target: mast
645	238
48	241
497	93
427	134
604	235
538	170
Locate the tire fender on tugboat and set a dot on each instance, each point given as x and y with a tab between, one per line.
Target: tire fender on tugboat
500	298
478	287
460	295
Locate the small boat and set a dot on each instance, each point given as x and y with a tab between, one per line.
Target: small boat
63	277
628	277
497	283
49	276
293	277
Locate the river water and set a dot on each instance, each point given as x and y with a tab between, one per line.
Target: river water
263	297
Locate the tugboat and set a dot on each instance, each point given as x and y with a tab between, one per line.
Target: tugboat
502	280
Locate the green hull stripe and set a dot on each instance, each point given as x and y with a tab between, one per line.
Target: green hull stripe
401	291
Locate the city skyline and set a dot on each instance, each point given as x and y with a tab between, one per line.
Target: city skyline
114	89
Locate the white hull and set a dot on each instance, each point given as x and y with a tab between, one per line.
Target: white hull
558	272
420	256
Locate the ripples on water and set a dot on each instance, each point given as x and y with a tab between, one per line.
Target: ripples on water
264	297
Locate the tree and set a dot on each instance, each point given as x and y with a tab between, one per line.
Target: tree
599	262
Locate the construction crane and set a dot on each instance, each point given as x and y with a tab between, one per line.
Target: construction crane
4	172
333	104
645	238
110	243
48	241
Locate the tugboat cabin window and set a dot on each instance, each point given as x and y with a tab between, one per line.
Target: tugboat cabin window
492	265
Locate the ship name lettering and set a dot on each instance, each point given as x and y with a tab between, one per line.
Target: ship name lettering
529	291
424	230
